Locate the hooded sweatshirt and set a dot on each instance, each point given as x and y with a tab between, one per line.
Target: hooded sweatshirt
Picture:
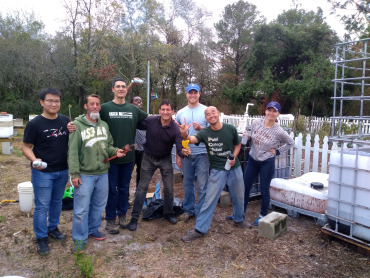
89	146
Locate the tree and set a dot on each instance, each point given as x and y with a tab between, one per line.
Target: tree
180	29
235	37
25	65
359	21
81	51
295	52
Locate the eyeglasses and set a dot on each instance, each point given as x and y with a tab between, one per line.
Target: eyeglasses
50	101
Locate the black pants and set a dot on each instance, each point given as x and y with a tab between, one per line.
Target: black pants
138	159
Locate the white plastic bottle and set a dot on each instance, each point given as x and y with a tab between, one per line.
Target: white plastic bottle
228	161
38	163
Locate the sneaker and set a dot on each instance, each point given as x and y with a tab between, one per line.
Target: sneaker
97	235
112	227
172	219
243	224
122	221
185	216
57	235
42	246
132	226
79	247
230	217
191	235
255	223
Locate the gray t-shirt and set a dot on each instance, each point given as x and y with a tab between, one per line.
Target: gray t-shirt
264	139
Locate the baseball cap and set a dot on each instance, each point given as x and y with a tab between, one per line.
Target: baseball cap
192	87
274	105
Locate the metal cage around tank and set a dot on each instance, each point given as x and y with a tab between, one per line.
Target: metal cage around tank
348	208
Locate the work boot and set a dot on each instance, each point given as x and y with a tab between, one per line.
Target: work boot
122	221
185	216
191	235
112	227
42	246
132	226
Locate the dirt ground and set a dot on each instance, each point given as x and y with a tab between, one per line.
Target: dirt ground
156	249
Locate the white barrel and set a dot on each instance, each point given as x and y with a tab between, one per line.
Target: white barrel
6	125
25	191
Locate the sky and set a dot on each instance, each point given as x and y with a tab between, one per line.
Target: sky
51	11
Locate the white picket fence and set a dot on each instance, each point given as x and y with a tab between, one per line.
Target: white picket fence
312	124
304	156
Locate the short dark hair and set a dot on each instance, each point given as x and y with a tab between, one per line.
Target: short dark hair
49	91
132	100
167	102
118	79
91	95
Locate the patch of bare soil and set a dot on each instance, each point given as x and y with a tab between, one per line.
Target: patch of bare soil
156	249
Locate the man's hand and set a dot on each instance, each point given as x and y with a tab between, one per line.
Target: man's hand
178	161
186	151
184	128
232	162
71	127
121	153
76	182
197	126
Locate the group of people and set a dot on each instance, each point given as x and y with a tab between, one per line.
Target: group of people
98	152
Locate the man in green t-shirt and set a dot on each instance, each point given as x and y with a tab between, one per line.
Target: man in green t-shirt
221	140
122	118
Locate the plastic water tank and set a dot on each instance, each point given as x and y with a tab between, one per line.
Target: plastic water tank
6	125
349	192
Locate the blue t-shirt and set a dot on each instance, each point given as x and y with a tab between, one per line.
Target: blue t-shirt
193	115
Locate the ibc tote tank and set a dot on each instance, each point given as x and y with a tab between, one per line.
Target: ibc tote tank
349	192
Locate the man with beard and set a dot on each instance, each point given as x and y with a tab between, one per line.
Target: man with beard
89	146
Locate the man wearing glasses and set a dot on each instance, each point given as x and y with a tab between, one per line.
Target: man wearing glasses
45	144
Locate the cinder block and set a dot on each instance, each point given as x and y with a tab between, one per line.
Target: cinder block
177	176
7	147
272	225
225	199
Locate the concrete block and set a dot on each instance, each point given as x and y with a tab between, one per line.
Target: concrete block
272	225
177	176
225	199
7	147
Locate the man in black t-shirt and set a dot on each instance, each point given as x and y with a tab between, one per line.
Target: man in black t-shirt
45	144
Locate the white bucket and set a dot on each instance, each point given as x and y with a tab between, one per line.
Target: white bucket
25	192
6	125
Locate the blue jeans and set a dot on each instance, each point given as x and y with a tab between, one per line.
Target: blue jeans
89	201
216	182
148	166
195	165
48	189
266	170
119	185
